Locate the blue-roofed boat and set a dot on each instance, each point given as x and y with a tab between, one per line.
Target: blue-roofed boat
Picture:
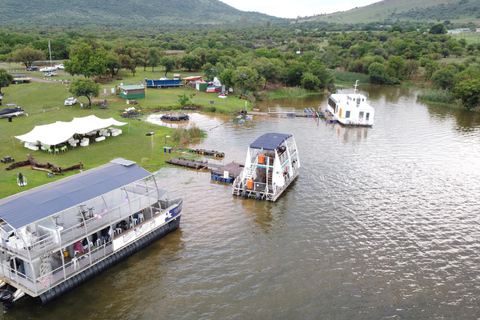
57	236
272	164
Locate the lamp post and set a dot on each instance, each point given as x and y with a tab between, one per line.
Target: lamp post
166	139
151	136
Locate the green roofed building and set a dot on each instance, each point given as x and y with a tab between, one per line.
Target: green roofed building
131	91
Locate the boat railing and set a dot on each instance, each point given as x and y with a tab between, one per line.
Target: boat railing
69	266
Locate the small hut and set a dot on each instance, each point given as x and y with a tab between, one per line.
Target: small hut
131	92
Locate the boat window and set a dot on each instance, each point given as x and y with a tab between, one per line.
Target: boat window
367	116
360	115
347	114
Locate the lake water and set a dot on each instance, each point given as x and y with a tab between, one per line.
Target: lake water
382	223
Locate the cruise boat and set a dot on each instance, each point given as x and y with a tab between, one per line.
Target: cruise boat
272	164
59	235
351	109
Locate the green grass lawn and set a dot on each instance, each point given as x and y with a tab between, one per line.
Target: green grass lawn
43	102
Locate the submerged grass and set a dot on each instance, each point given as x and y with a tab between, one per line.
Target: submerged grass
444	97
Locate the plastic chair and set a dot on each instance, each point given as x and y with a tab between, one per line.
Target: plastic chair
57	150
49	150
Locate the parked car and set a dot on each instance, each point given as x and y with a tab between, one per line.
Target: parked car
71	101
32	68
48	69
59	66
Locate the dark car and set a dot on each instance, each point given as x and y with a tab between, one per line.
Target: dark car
32	68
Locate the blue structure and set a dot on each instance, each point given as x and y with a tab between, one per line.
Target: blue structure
163	83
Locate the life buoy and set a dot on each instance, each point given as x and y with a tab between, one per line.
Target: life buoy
47	282
360	120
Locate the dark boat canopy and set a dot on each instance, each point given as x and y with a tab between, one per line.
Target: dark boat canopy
29	206
270	141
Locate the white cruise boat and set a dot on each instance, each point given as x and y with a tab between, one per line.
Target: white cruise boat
59	235
351	109
272	164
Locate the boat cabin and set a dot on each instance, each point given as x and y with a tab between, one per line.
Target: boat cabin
272	163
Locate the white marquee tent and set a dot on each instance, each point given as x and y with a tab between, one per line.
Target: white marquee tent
59	132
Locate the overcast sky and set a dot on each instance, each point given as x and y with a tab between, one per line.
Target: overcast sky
295	8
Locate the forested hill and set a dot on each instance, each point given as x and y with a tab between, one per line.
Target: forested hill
392	11
114	13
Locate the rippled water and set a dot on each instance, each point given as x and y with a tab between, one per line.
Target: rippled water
381	223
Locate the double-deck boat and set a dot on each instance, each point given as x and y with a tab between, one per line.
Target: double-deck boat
351	109
57	236
272	164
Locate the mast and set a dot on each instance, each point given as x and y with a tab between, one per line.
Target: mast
356	85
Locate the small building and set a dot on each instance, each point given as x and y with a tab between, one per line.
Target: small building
201	86
131	92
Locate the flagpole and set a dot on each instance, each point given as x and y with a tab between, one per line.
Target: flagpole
50	51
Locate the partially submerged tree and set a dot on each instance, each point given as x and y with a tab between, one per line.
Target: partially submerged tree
27	56
84	87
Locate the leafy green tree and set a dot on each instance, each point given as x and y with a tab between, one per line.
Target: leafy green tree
247	79
468	91
169	63
191	62
113	64
310	82
444	78
86	61
210	71
226	78
5	79
154	57
378	73
84	87
430	68
292	74
396	67
438	29
27	56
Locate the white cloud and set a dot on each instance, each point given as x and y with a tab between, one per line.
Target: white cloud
299	8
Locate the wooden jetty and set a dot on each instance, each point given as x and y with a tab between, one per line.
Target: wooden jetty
194	164
292	112
224	173
227	173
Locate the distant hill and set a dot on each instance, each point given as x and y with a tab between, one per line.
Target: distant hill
115	13
407	10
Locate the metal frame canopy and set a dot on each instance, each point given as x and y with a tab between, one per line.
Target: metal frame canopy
32	205
270	141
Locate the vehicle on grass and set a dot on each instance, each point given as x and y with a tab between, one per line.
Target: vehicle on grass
33	68
71	101
59	66
11	110
48	69
49	74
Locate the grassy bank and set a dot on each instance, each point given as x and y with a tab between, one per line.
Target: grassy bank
439	96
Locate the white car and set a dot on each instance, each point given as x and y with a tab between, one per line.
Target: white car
59	66
70	101
48	69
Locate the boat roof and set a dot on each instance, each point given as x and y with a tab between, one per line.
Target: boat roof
270	141
32	205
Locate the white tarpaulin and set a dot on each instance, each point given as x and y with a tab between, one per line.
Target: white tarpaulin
59	132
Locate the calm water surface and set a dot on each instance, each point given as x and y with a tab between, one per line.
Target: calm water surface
381	223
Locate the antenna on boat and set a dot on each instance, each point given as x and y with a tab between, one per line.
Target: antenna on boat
356	85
